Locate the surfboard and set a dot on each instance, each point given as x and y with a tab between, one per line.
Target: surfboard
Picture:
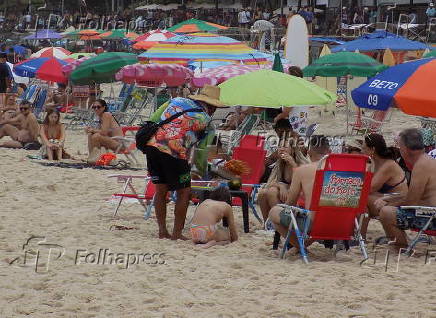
297	42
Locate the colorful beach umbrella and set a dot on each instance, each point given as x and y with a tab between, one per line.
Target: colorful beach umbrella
149	39
76	55
344	63
117	34
101	68
57	52
73	64
204	47
271	89
45	68
194	25
380	40
155	75
218	75
409	86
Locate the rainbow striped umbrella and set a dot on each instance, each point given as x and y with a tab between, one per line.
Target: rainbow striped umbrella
149	39
202	47
45	68
194	25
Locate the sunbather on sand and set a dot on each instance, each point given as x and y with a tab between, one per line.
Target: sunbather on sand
302	182
23	128
107	128
53	135
10	110
205	229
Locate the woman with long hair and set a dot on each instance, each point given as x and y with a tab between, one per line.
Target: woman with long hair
107	128
388	178
52	133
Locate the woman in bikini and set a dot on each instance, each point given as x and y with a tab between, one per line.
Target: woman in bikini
53	135
388	178
107	128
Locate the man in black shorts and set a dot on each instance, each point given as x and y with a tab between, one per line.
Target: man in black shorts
5	78
169	150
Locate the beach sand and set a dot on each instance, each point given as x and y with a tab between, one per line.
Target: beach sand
71	209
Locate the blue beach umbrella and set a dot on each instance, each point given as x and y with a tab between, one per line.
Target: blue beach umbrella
409	86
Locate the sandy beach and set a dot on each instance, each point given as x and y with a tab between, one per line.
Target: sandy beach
68	212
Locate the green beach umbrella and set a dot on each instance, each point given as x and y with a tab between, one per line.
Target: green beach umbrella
430	54
277	65
101	68
342	64
76	55
271	89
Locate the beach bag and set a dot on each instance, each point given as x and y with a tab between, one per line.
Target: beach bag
149	128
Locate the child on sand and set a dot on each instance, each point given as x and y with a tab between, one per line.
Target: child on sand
205	230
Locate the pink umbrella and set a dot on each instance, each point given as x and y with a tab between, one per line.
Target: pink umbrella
155	75
67	69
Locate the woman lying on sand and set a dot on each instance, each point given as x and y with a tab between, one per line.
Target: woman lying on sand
205	229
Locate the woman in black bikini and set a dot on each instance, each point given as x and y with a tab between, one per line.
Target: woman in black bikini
388	177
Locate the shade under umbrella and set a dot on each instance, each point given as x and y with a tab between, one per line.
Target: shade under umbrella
271	89
342	64
101	68
409	86
155	75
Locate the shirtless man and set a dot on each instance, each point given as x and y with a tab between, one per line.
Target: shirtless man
23	128
205	230
302	181
57	98
422	189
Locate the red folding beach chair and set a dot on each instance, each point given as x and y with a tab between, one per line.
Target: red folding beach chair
339	197
145	199
127	143
255	158
370	124
252	142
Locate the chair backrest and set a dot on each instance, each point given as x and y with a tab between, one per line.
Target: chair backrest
252	141
255	159
340	193
150	190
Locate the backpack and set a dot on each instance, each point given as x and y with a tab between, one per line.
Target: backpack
149	128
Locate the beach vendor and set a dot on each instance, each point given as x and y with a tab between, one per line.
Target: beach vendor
169	150
205	228
422	189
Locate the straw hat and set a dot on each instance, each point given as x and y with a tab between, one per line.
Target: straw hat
210	95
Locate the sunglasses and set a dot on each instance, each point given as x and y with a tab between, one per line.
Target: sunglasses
96	107
24	108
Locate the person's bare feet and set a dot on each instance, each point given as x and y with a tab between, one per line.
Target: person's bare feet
179	237
164	235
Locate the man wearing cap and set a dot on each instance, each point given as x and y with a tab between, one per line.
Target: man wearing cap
5	77
169	151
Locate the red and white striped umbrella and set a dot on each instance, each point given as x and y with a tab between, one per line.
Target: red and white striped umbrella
67	69
155	75
217	75
147	40
57	52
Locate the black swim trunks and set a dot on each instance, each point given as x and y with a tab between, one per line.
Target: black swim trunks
165	169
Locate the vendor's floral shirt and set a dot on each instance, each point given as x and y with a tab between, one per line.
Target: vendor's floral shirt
179	136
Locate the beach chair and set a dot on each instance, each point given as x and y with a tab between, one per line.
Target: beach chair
127	145
255	158
370	124
38	105
131	114
339	197
425	219
247	126
118	104
145	199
